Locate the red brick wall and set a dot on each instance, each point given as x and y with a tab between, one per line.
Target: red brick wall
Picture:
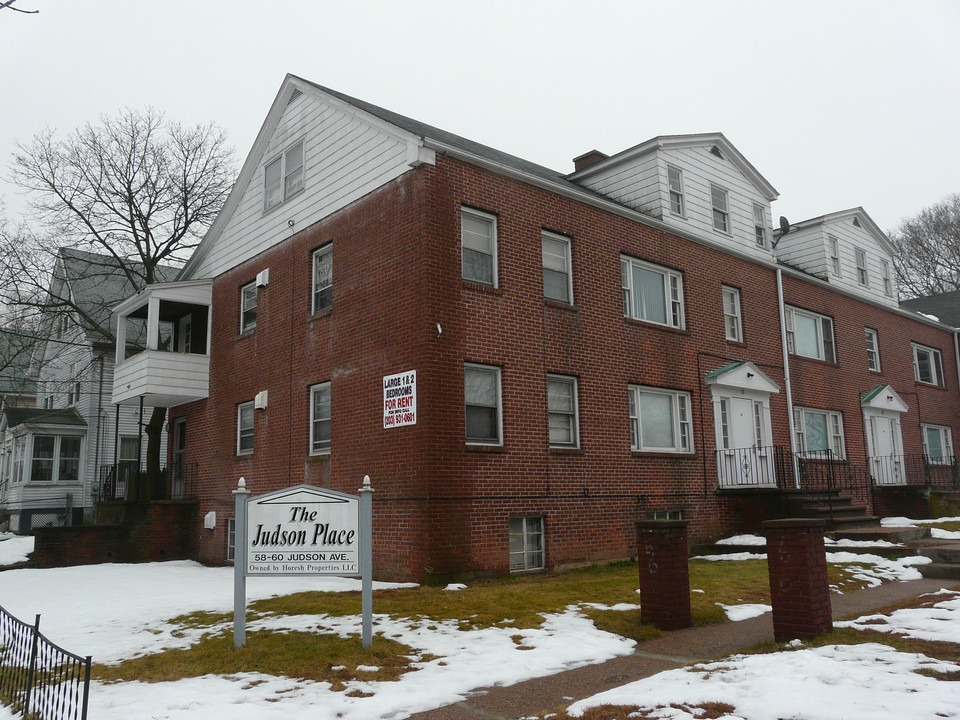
440	507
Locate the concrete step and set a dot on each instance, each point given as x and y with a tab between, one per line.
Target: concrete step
876	532
940	571
943	553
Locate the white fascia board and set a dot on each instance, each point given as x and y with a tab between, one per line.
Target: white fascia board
165	291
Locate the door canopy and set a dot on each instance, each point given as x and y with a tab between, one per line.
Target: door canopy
883	397
744	376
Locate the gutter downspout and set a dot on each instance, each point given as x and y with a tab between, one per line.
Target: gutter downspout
786	381
956	353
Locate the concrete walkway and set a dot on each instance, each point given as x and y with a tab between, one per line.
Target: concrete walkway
673	649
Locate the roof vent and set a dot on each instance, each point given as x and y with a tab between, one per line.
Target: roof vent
297	92
587	159
716	151
856	223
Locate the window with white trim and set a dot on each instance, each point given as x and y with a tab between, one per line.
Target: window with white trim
721	209
323	279
320	419
562	411
927	365
231	539
675	181
834	246
873	349
732	326
245	414
482	410
526	543
557	280
660	420
56	458
863	278
819	433
19	453
248	307
887	278
651	293
478	246
809	334
283	176
73	394
937	444
759	225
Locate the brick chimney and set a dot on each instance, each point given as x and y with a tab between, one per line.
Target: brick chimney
588	159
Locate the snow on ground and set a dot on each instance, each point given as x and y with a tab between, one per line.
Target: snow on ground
735	613
939	623
909	522
743	540
14	548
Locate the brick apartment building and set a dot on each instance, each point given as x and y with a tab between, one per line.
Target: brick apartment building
628	341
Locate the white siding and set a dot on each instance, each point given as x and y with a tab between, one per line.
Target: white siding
344	159
806	249
636	185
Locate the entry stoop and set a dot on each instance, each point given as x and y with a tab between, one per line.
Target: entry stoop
946	560
837	509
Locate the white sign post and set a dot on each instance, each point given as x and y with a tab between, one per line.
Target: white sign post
400	399
303	530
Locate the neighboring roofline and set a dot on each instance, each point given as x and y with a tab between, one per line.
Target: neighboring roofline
678	142
860	213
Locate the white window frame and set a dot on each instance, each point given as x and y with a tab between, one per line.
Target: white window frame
231	539
322	255
564	419
489	221
720	212
760	225
320	446
935	362
497	405
561	263
732	320
863	274
873	349
522	529
248	303
290	180
887	278
834	247
675	191
833	422
56	460
672	291
244	432
946	443
826	347
680	414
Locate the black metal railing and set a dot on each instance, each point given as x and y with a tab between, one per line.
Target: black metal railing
915	470
747	467
38	679
123	482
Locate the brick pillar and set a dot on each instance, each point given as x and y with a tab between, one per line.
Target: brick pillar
799	589
664	579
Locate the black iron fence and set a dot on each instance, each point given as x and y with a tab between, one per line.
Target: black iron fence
915	470
751	467
124	481
38	679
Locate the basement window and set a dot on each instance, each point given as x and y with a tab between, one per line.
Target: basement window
526	543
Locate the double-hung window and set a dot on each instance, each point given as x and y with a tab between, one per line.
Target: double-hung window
248	307
320	417
481	390
478	247
721	209
562	411
834	246
819	433
283	176
927	365
675	181
73	395
759	225
323	279
887	279
863	277
556	267
651	293
873	349
56	458
809	334
660	420
245	428
526	543
732	325
937	444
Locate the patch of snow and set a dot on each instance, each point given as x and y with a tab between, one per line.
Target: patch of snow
944	534
731	556
746	611
743	540
938	623
14	548
455	586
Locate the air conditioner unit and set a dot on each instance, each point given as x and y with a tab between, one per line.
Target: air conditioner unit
210	520
263	277
260	400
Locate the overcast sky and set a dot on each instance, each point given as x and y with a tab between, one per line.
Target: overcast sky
837	103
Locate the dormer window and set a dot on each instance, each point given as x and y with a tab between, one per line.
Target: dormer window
283	177
675	180
759	225
834	246
721	211
887	279
862	277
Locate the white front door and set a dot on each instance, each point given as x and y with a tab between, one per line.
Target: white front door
743	458
886	457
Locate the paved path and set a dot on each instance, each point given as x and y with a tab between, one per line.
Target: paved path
671	650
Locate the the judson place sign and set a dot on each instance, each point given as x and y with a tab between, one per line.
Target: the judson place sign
302	530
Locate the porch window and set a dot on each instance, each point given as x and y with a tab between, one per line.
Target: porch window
819	433
56	458
937	444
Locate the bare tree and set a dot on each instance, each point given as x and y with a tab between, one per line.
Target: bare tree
927	257
134	191
8	5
